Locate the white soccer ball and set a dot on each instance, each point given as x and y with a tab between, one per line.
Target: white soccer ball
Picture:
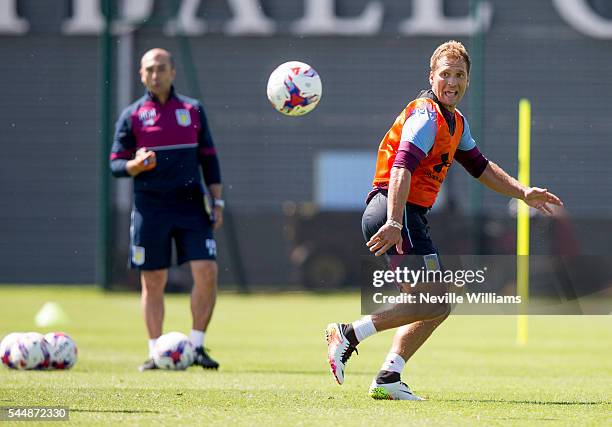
173	351
29	351
294	88
62	350
5	348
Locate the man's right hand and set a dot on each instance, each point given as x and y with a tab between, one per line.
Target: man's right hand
144	160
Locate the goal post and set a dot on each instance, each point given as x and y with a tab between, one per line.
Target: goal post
522	219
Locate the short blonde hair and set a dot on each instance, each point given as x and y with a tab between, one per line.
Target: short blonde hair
450	48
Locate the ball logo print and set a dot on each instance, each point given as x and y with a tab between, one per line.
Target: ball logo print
175	354
294	88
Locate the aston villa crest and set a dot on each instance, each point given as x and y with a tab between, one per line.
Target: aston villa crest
183	117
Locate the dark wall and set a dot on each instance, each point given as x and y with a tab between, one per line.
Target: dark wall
50	122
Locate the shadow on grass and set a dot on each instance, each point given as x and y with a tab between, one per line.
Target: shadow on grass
297	372
117	411
277	371
525	402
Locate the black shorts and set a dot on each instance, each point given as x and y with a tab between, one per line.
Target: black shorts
415	233
156	224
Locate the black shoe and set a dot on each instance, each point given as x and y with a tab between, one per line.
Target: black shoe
387	377
203	359
147	365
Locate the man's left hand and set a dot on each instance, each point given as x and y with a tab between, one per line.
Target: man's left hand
539	198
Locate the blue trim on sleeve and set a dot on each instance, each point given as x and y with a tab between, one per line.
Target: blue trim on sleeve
123	139
467	142
211	170
187	100
420	128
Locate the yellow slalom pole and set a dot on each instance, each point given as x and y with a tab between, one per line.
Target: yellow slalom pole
522	219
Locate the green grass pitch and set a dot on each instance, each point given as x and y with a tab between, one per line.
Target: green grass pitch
274	369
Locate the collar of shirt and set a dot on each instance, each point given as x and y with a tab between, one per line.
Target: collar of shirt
150	97
448	116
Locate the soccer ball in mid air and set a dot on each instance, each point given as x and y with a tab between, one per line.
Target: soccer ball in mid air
294	88
62	350
173	351
29	351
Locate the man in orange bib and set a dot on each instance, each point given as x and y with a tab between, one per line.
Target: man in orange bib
413	159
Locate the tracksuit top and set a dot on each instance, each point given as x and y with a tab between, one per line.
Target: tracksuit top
178	133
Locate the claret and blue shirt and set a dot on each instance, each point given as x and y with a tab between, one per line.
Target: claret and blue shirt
178	133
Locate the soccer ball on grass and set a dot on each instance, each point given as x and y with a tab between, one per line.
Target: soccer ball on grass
29	351
62	350
5	348
173	351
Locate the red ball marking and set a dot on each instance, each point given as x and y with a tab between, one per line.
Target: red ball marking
296	99
175	356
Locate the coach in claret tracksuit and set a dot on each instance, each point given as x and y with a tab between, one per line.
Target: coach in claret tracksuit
161	141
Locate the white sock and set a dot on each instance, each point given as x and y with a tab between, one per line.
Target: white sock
394	363
197	338
364	328
151	346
